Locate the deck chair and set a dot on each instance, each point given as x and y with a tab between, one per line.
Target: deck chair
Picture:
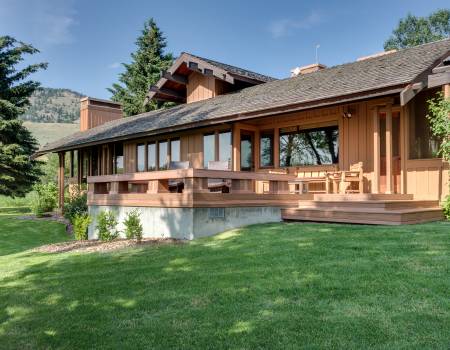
177	185
219	185
344	180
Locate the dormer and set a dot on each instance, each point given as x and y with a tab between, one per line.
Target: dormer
192	78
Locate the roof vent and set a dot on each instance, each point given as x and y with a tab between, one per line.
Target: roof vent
307	69
378	54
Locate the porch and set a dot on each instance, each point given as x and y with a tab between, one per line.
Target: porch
274	191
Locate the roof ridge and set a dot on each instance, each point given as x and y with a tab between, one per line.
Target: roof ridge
210	60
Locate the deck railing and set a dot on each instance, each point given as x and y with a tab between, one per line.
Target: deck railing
192	187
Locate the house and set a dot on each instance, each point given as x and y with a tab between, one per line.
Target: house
349	143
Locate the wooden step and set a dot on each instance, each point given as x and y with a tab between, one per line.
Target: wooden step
369	204
363	216
361	197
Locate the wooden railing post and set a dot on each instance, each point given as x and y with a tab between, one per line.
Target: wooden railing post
376	151
61	181
389	155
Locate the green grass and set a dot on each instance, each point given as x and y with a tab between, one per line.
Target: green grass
284	286
49	132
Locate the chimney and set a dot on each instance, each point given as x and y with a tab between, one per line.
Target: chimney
378	54
307	69
95	112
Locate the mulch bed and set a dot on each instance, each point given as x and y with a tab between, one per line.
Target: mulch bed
100	246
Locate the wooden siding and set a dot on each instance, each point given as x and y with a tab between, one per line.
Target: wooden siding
92	115
202	87
425	179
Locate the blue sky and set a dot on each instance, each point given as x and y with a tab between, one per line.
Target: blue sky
84	42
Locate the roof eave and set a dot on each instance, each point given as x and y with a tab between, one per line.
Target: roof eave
280	109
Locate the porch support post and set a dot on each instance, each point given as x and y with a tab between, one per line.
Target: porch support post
376	151
61	181
389	162
236	148
276	148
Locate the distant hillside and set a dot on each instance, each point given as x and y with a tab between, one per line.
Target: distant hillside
50	105
49	132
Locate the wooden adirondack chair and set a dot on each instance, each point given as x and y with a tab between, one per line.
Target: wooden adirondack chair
343	180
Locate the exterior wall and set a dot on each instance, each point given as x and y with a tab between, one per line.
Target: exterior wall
428	178
200	87
188	223
425	178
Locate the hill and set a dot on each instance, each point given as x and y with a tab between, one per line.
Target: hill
49	105
49	132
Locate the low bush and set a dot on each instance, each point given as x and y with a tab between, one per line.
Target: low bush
45	198
76	205
133	226
107	226
446	207
80	226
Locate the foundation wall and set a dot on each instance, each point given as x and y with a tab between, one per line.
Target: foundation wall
188	223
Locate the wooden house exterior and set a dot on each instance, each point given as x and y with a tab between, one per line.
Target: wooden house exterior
269	136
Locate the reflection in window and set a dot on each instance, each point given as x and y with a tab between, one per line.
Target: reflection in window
175	150
246	152
118	158
151	156
266	149
225	147
209	149
422	143
140	157
162	155
309	147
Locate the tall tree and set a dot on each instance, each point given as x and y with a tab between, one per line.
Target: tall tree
144	70
18	172
413	31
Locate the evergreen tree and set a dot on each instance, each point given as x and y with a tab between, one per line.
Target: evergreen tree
18	172
413	31
147	63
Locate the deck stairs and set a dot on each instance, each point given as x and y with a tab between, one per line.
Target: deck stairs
376	209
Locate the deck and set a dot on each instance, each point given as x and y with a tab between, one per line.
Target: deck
252	189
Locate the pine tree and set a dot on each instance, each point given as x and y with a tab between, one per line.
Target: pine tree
18	172
147	63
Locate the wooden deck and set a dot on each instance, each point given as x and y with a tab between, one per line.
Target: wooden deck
376	209
150	189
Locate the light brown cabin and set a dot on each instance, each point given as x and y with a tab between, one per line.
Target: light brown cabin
275	135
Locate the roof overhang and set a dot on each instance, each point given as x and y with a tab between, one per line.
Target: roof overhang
282	108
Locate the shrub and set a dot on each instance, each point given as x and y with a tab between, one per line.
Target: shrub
446	207
133	226
80	226
77	205
45	198
107	226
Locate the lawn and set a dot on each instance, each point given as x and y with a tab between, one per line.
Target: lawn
284	286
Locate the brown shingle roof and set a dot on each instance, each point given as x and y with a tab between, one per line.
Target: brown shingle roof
384	72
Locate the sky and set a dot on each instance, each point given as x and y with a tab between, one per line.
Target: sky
85	42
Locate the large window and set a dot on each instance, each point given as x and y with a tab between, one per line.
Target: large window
151	156
422	143
246	151
225	147
209	149
266	149
162	155
175	150
118	158
140	166
309	147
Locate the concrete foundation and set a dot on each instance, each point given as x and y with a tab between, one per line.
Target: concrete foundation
188	223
